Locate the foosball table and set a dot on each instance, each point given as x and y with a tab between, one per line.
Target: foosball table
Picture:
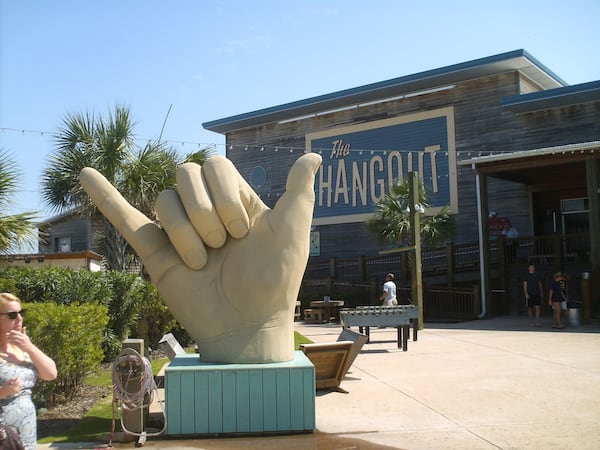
400	317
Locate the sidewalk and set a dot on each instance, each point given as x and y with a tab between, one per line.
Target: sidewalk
487	384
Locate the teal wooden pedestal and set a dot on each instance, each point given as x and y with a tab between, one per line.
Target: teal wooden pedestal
206	399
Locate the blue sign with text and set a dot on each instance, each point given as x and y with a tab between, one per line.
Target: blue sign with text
362	162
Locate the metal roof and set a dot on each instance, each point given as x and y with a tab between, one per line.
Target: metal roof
517	60
580	147
563	165
553	98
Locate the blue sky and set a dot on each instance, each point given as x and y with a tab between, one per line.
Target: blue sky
207	60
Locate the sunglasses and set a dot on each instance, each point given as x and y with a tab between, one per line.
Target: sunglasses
12	315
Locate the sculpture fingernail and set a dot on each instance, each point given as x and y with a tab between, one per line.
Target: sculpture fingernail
216	239
195	259
237	228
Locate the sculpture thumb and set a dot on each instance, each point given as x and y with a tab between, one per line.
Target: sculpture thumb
295	208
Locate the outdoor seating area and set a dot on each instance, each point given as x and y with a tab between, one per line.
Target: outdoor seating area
323	311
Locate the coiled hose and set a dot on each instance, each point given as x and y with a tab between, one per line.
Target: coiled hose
134	387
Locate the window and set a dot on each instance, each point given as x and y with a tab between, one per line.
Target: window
62	244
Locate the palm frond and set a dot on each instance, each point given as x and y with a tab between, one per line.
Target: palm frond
200	156
17	230
8	178
391	222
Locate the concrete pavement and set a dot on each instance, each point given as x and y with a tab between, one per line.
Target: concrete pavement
486	384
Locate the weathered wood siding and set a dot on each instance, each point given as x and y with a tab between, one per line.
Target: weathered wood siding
80	230
481	126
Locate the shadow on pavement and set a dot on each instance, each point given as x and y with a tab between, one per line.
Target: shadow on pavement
513	323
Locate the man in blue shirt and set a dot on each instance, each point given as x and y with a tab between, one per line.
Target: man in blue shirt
532	286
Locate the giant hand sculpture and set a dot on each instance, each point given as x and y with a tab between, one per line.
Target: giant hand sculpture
228	267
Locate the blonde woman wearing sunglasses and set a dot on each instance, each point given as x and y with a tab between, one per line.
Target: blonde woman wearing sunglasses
21	363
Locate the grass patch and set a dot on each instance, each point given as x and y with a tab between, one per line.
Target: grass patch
300	339
97	423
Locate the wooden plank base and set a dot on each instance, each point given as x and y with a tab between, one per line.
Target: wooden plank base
227	399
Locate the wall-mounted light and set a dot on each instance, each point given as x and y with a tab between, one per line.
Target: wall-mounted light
27	259
10	258
40	259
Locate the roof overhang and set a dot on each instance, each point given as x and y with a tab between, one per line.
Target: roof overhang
518	60
553	98
540	168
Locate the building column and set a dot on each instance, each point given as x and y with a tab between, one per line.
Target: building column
592	168
484	244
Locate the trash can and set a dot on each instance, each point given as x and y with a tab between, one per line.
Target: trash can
574	313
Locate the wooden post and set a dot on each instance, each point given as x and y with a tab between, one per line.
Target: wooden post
450	263
592	169
557	252
502	255
362	272
332	267
374	293
404	268
476	299
415	231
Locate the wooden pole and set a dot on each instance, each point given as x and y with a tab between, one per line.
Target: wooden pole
415	232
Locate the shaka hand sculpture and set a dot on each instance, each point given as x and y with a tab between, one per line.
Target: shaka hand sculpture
228	267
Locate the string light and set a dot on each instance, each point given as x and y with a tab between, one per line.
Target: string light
275	148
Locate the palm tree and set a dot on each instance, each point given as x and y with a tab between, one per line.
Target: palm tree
16	230
391	223
109	146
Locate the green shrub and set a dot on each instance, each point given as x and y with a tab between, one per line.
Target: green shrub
58	285
135	308
127	294
155	319
7	285
71	336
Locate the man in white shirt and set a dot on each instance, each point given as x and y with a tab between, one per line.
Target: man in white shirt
389	291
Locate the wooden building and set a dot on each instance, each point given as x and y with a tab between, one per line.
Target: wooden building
67	232
87	260
498	137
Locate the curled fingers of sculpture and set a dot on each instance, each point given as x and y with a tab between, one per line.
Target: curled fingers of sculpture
222	180
295	208
148	240
198	205
182	234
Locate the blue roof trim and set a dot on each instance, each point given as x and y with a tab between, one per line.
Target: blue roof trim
513	60
554	98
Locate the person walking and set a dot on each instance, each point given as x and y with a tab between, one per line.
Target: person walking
532	286
555	297
564	278
389	291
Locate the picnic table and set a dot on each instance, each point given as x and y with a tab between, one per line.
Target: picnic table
323	310
400	317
